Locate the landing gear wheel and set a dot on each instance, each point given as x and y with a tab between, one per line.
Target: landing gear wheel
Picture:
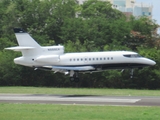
72	79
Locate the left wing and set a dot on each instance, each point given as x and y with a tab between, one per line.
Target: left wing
80	68
64	69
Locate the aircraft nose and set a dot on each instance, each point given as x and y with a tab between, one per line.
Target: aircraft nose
151	62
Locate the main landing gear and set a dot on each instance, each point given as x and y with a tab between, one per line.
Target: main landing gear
74	76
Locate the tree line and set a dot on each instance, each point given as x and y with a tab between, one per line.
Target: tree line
92	26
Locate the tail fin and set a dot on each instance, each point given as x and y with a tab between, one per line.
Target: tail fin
27	45
24	39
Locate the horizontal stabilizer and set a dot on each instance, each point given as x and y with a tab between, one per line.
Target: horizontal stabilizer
81	68
19	48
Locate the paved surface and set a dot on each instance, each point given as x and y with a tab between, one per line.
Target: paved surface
80	99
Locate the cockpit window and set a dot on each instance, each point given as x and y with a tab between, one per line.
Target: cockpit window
132	55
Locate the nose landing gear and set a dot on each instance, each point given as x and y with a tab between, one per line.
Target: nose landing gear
131	73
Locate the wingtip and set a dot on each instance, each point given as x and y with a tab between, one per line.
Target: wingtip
18	30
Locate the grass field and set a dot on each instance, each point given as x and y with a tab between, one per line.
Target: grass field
76	112
79	91
10	111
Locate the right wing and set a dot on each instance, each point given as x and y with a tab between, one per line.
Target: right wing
64	69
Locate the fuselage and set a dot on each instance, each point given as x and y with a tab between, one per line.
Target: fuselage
104	60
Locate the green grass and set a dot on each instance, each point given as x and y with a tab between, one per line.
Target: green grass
76	112
79	91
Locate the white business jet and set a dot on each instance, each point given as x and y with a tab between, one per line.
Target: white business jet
54	59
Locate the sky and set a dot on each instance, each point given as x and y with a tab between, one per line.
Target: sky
156	9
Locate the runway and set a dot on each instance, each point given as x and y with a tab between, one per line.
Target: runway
80	99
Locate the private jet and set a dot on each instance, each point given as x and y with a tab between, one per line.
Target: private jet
53	58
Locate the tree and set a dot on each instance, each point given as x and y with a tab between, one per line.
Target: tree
142	33
96	8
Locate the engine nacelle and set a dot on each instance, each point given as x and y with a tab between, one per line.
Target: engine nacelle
47	59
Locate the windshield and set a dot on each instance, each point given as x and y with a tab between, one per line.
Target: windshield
132	55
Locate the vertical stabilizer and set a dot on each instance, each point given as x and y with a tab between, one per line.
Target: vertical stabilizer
24	39
27	45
